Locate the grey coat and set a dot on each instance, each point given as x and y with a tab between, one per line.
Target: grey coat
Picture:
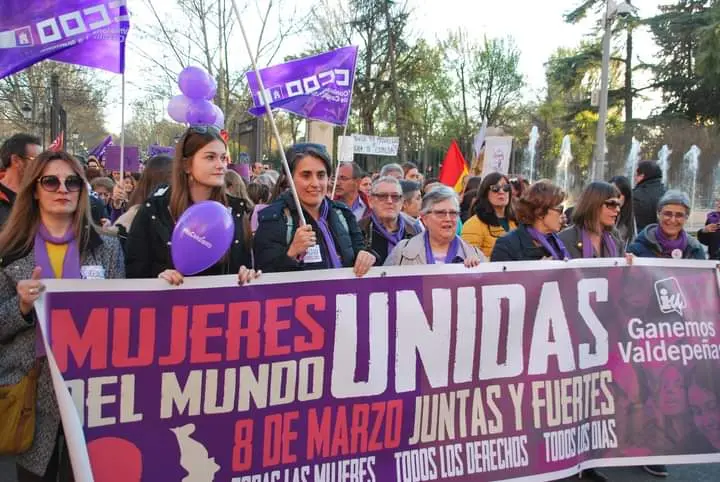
17	343
411	252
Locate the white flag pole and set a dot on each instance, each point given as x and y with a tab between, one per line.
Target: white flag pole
122	132
345	128
268	111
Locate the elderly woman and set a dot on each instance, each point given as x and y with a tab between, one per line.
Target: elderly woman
439	244
387	225
593	234
539	212
667	238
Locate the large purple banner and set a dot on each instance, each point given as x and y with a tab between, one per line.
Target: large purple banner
317	87
529	371
83	32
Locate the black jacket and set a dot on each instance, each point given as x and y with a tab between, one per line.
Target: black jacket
517	245
275	232
711	240
645	201
147	249
377	244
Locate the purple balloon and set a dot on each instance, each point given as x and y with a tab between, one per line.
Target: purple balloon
201	237
178	108
195	82
201	112
213	89
219	117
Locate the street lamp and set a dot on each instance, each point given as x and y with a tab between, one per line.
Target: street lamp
613	11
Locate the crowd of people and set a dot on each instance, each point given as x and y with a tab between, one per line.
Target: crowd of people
62	219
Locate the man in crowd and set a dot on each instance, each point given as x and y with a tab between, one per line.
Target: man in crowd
257	169
15	153
648	191
348	189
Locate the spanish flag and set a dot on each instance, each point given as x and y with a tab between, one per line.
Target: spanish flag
454	168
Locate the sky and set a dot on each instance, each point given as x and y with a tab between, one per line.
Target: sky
537	28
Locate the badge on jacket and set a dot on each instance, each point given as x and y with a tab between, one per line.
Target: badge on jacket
92	272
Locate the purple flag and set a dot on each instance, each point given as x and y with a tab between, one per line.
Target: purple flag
156	150
99	150
131	161
82	32
318	87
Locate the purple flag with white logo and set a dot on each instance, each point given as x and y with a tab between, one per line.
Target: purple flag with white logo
99	150
91	33
318	87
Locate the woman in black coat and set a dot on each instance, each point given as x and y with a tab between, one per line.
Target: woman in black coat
198	175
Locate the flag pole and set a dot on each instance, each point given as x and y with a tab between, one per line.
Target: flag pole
268	111
122	131
345	128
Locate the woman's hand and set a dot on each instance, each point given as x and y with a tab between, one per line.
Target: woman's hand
172	276
710	228
629	258
472	261
303	239
363	263
119	197
246	275
29	291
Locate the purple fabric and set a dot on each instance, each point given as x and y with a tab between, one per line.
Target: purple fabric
451	252
713	217
550	243
392	238
327	235
91	33
669	245
71	263
131	161
254	221
607	241
317	87
156	150
99	150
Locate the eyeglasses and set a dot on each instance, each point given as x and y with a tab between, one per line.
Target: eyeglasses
613	204
72	183
497	188
558	209
383	196
445	213
670	215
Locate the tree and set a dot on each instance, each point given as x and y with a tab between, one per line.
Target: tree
147	126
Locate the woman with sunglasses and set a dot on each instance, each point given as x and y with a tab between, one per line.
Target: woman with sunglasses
592	234
330	239
539	212
198	174
49	235
439	243
667	238
493	216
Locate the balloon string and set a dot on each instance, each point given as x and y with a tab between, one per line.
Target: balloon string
268	111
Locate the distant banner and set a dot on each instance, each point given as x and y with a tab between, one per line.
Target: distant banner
92	33
131	160
376	146
157	150
509	371
317	87
497	155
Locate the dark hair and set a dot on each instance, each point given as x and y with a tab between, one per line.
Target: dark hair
299	151
482	207
16	145
280	187
626	219
537	201
472	185
429	180
587	209
104	182
258	193
649	169
408	187
408	166
92	173
158	171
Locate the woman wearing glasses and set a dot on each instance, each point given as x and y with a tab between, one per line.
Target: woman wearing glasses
330	239
540	213
592	234
198	174
667	238
439	244
493	215
49	235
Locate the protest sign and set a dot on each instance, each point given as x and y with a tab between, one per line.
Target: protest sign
497	154
376	146
131	160
532	370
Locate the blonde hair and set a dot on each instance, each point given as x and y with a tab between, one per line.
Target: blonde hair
18	234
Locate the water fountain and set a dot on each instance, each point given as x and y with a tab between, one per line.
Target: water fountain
532	143
632	160
664	162
562	170
691	163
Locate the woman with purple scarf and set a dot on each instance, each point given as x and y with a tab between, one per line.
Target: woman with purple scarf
667	238
49	235
709	235
539	212
592	234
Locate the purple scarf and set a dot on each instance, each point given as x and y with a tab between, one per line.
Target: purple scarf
607	241
545	243
71	263
670	245
451	252
392	238
322	223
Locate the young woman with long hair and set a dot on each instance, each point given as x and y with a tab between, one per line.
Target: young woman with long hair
492	214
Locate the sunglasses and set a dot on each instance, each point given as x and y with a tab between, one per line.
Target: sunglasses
72	183
387	196
613	204
497	188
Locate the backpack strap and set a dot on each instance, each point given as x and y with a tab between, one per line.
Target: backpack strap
290	223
